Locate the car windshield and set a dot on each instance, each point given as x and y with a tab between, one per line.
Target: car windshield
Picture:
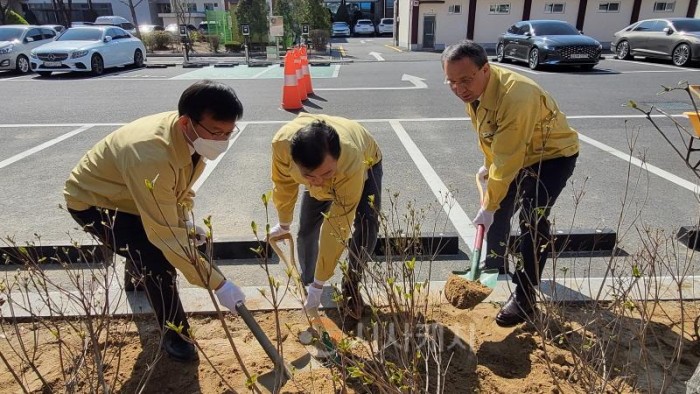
364	22
555	29
388	21
687	25
341	25
10	34
81	34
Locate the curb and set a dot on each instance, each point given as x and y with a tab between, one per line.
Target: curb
576	240
23	306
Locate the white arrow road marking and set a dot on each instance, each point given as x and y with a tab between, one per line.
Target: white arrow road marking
377	56
416	81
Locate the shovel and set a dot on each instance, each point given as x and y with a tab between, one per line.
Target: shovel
474	273
328	332
264	342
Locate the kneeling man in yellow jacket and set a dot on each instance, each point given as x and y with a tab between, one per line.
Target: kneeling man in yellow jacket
107	194
339	163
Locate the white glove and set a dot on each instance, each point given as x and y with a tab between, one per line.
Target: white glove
200	234
484	217
279	230
229	295
313	300
483	176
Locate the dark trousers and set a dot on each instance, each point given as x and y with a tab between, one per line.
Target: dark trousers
534	191
365	228
124	234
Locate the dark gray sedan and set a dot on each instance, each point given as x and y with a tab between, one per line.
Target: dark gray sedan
676	39
548	42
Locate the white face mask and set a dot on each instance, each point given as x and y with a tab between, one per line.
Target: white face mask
210	149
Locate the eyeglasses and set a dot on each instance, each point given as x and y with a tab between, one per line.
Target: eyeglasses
225	134
464	82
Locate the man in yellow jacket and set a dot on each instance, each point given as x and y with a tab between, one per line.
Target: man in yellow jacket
339	164
107	194
530	152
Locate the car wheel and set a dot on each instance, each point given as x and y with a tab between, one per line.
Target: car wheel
622	50
533	60
22	66
500	56
138	59
97	65
44	74
681	55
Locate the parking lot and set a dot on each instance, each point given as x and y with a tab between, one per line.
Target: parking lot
428	144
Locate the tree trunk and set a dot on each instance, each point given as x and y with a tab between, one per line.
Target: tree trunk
132	8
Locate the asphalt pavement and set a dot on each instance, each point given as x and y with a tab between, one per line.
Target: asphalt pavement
628	177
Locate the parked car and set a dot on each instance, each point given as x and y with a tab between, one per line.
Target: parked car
385	26
364	27
17	42
116	21
88	49
548	42
340	29
676	39
207	27
58	28
150	28
173	28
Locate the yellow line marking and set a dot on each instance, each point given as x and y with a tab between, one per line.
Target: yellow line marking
342	50
397	49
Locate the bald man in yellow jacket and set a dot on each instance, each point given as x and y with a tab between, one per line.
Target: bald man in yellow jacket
339	164
530	152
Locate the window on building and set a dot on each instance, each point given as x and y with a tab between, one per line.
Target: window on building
609	7
455	9
500	9
664	6
164	8
210	6
191	7
554	8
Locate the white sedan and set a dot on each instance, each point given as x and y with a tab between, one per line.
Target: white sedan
89	49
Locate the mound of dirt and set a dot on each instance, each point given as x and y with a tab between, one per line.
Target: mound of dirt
465	294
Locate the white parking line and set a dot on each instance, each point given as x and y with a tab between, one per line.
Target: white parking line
268	68
460	220
336	71
521	69
646	64
641	164
212	164
43	146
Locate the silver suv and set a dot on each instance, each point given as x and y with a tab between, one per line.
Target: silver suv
17	41
364	27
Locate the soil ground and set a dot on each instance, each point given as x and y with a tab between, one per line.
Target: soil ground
482	356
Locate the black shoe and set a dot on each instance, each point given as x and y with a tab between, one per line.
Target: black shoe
516	310
178	348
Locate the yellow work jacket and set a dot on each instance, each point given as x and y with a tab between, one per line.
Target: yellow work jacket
358	152
518	124
113	175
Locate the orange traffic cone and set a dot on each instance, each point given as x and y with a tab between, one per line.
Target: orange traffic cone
305	70
300	74
290	91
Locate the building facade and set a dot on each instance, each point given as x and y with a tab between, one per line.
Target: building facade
434	24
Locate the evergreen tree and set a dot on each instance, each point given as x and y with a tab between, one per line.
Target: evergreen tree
255	13
285	9
342	15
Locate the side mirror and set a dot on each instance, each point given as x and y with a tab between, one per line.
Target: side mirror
29	39
527	34
668	31
107	39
